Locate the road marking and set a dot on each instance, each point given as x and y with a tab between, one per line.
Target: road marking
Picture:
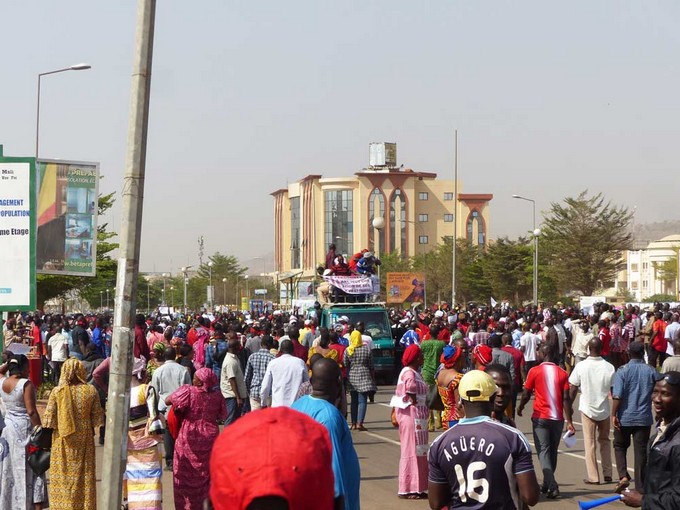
575	455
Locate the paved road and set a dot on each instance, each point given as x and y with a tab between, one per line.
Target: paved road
378	451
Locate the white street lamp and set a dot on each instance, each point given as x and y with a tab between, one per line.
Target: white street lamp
75	67
536	232
210	290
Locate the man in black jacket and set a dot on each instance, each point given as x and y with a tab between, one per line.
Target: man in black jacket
662	490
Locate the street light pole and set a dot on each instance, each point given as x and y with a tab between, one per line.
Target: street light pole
172	296
378	224
186	280
165	275
75	67
455	222
224	292
210	290
536	232
148	295
107	299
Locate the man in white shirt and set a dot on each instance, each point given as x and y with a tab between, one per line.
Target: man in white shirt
582	336
594	376
283	378
57	351
232	382
671	333
528	344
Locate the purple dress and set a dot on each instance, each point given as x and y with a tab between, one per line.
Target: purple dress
200	410
413	433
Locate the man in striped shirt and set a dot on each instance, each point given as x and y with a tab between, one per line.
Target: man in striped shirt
550	384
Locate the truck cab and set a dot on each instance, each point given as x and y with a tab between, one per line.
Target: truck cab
377	325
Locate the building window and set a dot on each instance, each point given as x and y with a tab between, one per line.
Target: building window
398	209
339	224
476	228
634	268
448	218
448	196
634	285
422	218
645	266
376	201
423	195
644	284
423	239
295	232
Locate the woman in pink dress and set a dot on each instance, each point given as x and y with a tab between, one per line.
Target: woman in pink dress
199	407
412	421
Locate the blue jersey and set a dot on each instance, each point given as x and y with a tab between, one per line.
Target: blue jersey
475	455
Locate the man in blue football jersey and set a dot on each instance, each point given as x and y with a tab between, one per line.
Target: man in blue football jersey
480	453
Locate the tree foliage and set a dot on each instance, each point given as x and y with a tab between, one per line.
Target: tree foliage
582	241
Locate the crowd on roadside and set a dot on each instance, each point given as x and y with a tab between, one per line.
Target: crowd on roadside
201	371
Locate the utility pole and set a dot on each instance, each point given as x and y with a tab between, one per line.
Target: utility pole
455	222
117	409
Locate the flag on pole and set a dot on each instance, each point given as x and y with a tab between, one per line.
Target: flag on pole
493	303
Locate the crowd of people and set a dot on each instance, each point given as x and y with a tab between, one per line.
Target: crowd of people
467	372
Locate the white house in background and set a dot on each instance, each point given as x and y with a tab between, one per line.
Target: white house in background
641	275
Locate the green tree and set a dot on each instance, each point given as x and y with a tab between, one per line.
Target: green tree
508	269
583	239
667	271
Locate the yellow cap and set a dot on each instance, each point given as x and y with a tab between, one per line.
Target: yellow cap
477	386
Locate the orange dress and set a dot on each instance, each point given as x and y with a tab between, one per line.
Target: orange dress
450	399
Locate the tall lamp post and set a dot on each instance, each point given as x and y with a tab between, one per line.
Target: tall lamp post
185	273
536	232
224	292
378	224
107	299
101	300
247	288
210	289
165	275
172	296
75	67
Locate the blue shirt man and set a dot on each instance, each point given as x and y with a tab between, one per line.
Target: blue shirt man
326	384
632	413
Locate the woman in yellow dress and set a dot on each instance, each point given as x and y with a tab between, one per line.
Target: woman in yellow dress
73	412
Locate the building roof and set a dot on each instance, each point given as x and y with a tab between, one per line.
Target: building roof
672	241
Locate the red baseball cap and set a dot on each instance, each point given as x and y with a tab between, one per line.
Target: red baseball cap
273	452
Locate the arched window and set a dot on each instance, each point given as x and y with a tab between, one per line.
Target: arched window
476	229
398	207
376	209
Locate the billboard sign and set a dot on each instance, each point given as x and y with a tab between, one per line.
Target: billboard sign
17	233
405	288
67	217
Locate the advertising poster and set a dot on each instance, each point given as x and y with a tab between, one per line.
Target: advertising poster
405	288
67	217
305	290
17	234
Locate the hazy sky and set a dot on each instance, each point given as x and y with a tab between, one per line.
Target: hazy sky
549	99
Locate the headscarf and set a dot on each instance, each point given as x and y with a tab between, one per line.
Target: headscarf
450	356
354	342
482	354
72	373
410	354
159	348
139	367
208	378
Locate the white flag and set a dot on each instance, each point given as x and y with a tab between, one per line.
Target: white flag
493	303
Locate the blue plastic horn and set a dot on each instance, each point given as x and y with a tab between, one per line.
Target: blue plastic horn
586	505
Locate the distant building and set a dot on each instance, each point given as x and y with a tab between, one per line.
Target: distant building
417	209
641	275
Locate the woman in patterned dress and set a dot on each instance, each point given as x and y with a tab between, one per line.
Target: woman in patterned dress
447	384
412	421
358	360
143	471
73	412
200	407
20	488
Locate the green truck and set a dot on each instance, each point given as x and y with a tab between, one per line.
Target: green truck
377	325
